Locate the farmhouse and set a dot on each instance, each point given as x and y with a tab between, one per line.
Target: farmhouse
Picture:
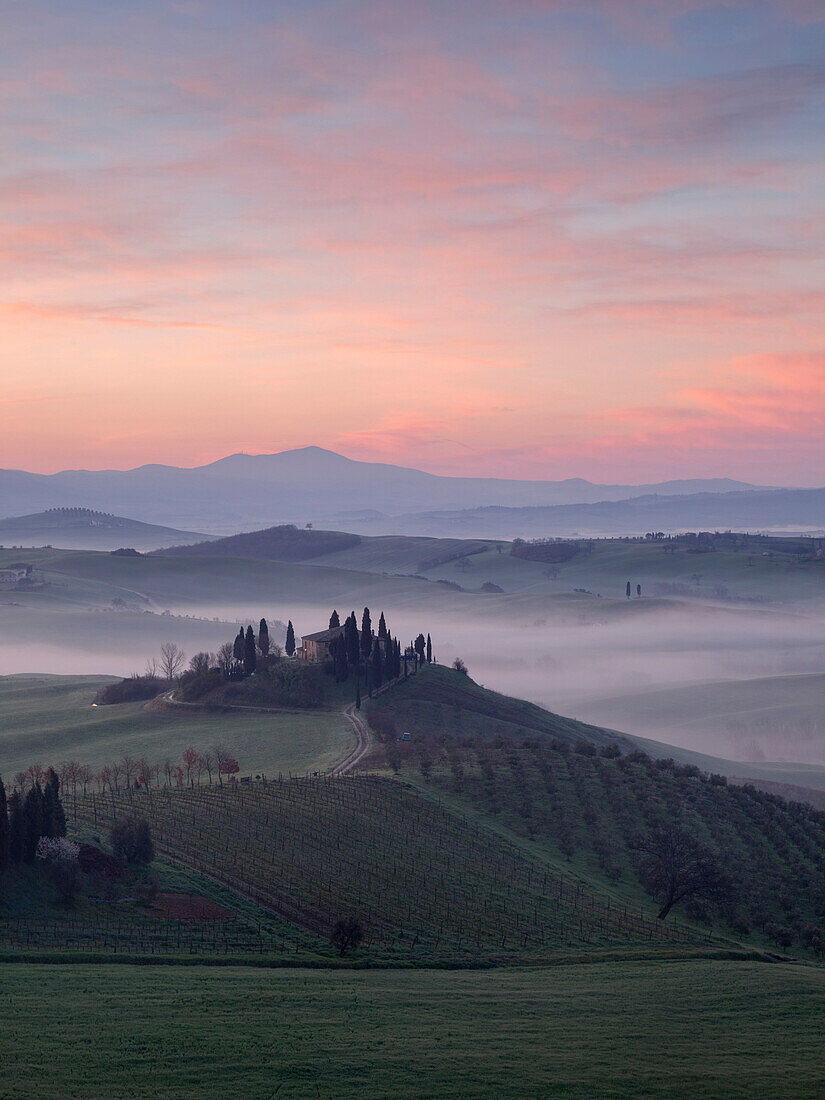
316	647
14	574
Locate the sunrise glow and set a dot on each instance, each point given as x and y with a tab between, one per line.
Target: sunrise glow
520	238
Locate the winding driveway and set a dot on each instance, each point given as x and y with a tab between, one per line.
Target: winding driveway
362	746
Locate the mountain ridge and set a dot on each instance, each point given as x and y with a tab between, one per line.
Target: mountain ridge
300	485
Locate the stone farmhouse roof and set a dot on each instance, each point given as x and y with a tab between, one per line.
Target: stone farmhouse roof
323	635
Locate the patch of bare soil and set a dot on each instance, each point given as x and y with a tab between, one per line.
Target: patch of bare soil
188	907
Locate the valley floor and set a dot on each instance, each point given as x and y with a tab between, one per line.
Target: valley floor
701	1028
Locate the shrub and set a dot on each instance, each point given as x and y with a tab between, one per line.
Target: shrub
132	690
459	666
99	864
131	840
610	752
346	933
57	849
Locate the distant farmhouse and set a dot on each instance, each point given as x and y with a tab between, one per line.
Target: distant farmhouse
14	574
318	647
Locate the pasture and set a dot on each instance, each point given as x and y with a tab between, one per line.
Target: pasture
709	1028
50	719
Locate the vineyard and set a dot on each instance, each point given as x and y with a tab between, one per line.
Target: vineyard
415	875
590	808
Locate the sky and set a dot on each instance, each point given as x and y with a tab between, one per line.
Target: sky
515	238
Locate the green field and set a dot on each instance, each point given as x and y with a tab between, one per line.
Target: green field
50	719
713	1029
604	568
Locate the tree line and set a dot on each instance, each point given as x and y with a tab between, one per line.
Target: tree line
128	773
28	816
373	656
379	655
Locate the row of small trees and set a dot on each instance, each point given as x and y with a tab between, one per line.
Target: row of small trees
131	773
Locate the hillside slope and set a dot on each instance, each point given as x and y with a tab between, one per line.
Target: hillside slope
283	543
422	880
602	811
85	529
438	699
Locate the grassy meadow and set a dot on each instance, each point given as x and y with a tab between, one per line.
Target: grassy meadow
50	719
680	1029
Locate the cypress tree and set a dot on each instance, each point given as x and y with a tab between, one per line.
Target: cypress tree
429	650
4	830
238	648
16	827
388	654
263	639
420	646
339	659
334	621
54	819
290	639
358	695
377	667
351	639
397	657
32	822
382	628
250	660
366	633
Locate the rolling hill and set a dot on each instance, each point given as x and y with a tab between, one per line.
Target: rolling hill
84	529
794	510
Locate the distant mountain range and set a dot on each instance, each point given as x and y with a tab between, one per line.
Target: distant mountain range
311	484
84	529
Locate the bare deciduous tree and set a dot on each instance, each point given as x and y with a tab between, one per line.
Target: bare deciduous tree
226	658
171	660
129	766
221	755
201	663
676	866
191	756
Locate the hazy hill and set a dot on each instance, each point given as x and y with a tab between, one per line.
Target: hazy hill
774	509
283	543
308	484
85	529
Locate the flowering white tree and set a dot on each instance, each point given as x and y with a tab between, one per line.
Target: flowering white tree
57	849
